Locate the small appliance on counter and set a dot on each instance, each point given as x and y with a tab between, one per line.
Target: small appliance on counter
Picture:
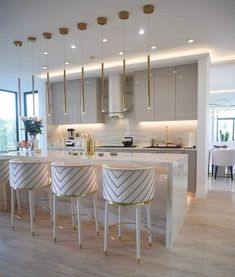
70	141
127	142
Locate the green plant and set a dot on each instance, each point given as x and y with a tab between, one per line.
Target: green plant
32	125
224	136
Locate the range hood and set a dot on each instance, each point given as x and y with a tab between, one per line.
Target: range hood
115	95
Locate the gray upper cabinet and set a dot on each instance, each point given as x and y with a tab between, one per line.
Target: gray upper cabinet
173	94
92	101
74	116
164	94
142	113
73	100
186	92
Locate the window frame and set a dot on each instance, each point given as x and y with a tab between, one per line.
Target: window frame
25	95
17	112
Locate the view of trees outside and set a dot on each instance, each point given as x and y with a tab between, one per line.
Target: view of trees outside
8	118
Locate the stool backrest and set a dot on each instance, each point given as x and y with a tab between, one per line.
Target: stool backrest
128	186
223	157
73	180
28	174
4	170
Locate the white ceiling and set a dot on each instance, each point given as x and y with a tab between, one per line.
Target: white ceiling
211	23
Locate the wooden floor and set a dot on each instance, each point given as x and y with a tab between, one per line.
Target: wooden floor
205	247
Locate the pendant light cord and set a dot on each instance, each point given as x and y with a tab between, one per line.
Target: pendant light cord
148	34
102	44
64	51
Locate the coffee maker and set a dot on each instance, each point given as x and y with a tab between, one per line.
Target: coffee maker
70	140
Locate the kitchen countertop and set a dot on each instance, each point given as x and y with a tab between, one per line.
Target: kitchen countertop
126	149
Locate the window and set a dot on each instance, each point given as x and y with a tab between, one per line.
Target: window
8	120
28	103
224	125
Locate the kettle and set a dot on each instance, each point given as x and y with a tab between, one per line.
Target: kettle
127	142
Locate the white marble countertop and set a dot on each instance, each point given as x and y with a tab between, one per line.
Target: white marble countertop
126	149
128	157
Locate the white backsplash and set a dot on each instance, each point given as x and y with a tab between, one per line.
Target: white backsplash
113	131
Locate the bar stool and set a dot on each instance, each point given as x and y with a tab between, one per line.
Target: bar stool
127	187
30	175
76	181
4	180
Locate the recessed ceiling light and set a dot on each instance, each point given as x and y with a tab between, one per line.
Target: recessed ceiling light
104	39
66	63
45	53
190	40
120	53
174	71
153	47
141	31
73	46
44	67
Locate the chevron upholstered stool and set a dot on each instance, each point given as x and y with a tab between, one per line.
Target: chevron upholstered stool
4	180
77	181
126	187
27	175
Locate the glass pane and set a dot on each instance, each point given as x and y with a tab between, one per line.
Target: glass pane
29	104
225	129
8	131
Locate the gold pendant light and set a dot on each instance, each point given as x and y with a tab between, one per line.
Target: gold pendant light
148	9
124	15
82	27
18	44
102	21
32	40
48	36
64	31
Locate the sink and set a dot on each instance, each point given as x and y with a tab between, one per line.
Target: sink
164	146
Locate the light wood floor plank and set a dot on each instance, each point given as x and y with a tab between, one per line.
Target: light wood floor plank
204	247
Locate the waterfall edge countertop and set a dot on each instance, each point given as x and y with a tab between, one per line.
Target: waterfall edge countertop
170	200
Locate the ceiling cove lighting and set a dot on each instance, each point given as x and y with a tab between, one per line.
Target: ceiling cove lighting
102	21
64	31
32	40
124	15
18	44
82	27
223	91
47	36
148	9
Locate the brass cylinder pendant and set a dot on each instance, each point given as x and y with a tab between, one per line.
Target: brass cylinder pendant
149	83
65	93
102	87
33	94
83	92
48	95
124	84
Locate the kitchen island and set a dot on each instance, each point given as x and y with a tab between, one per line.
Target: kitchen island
170	201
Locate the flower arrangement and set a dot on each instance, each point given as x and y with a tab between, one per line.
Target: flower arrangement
32	125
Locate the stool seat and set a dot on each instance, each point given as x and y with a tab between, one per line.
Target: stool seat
4	180
76	181
126	187
30	175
